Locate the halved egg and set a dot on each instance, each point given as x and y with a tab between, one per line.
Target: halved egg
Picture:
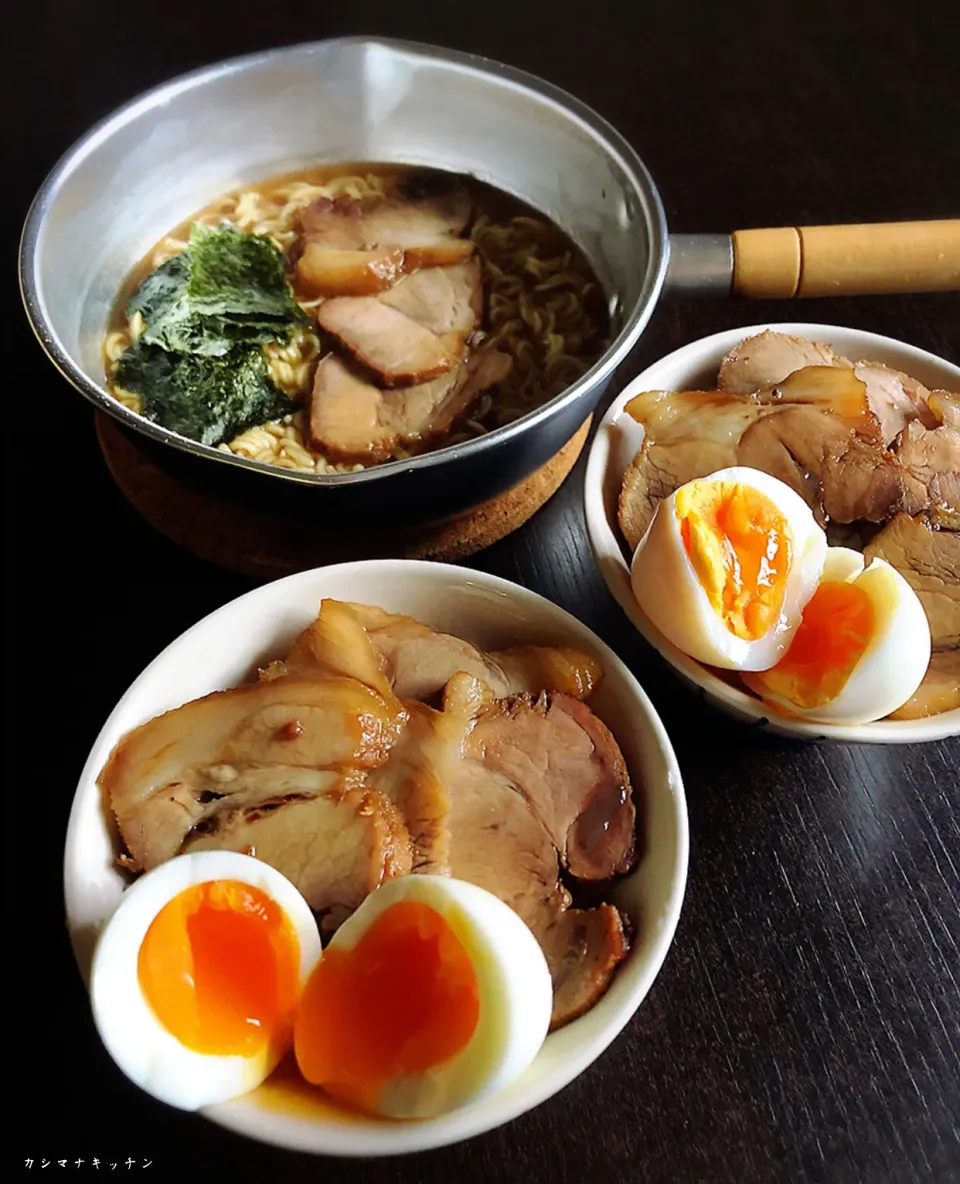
726	566
432	995
196	976
861	650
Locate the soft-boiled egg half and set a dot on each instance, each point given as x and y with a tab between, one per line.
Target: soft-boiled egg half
861	650
726	566
433	994
197	975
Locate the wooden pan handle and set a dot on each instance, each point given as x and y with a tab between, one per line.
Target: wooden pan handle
883	257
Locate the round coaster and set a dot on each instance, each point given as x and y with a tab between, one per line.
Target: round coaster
266	546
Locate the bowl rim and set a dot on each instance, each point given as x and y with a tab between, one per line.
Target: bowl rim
615	145
608	553
261	1124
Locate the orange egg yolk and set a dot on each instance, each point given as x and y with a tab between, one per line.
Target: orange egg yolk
401	1001
836	628
219	966
740	548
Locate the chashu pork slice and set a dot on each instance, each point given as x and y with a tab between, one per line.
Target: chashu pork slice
939	690
441	299
417	778
827	388
352	418
159	775
334	271
335	847
420	212
569	769
768	358
930	458
335	643
929	560
395	347
498	843
415	775
842	476
815	431
362	245
415	330
419	662
157	829
687	434
400	657
895	399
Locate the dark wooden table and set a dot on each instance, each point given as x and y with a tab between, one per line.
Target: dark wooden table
805	1025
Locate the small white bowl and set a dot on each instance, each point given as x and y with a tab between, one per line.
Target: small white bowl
618	438
224	649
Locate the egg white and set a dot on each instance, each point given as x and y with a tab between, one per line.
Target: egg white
895	660
669	591
514	986
141	1046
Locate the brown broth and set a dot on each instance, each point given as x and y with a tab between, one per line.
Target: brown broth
286	1092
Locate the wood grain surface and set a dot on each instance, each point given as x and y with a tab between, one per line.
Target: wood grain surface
805	1024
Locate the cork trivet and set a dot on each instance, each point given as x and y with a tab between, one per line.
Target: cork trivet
266	546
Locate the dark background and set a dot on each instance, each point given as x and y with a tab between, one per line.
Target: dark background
805	1025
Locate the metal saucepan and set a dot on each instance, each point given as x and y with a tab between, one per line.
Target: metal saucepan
148	166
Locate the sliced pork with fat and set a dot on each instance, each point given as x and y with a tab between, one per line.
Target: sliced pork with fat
419	662
332	271
395	347
768	358
414	330
583	948
814	430
352	418
945	407
441	299
565	762
417	213
417	777
939	691
688	434
497	843
930	457
403	296
336	848
840	475
157	770
335	643
416	771
826	388
356	246
929	560
155	830
894	398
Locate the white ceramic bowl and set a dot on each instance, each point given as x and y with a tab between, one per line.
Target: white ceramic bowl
694	367
225	648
